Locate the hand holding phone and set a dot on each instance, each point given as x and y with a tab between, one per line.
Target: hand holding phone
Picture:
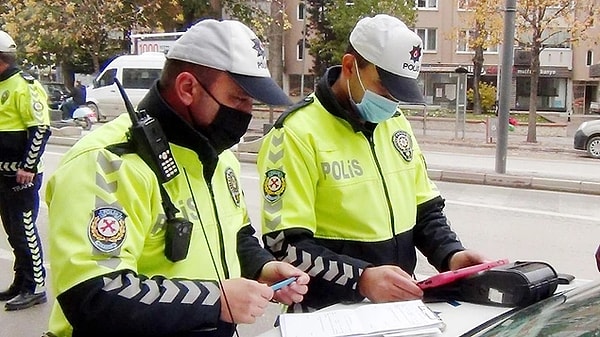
453	275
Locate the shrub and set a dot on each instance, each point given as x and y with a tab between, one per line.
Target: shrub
487	93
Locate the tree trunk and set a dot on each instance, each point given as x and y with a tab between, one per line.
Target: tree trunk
275	37
217	8
67	74
533	94
477	66
96	62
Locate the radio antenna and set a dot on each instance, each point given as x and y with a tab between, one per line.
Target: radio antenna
130	110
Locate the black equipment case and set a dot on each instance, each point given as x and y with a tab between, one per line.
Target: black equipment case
514	284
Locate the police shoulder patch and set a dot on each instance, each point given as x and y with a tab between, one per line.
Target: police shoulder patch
297	106
4	96
107	229
274	185
403	143
233	185
28	77
38	106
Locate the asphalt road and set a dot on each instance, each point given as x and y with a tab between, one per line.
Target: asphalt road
561	228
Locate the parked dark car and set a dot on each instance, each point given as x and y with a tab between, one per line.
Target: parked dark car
57	94
587	137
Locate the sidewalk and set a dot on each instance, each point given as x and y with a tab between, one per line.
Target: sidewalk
549	164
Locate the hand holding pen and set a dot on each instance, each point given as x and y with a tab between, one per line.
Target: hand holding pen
288	283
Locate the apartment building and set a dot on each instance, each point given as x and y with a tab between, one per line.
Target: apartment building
298	76
566	82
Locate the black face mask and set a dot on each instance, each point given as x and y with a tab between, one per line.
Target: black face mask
227	128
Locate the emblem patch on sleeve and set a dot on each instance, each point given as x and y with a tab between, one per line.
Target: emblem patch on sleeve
274	185
234	186
403	143
38	106
107	229
4	97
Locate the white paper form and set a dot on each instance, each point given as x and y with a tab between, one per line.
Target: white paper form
367	319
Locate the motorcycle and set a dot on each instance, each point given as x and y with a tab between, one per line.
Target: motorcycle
82	116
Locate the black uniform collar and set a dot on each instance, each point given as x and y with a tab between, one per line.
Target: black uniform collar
329	101
177	130
8	73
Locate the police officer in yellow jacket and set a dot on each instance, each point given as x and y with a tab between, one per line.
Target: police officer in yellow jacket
346	192
135	255
24	131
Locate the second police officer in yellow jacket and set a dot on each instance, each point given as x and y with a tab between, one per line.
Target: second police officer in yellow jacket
346	192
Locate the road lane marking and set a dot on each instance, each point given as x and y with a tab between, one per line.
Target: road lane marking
528	211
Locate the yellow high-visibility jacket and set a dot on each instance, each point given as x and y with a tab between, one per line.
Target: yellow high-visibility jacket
24	122
107	236
340	196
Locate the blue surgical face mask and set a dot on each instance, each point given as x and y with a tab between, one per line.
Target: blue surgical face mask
373	107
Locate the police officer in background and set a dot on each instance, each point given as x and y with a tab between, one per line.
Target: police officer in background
346	191
24	131
125	261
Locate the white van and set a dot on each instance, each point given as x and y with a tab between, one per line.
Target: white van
136	73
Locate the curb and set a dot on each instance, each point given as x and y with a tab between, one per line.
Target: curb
479	144
507	180
64	141
492	179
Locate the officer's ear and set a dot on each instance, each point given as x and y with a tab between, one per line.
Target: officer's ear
185	87
348	65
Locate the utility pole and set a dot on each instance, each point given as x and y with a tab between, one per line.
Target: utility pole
505	84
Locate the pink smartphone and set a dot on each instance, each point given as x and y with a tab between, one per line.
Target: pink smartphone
453	275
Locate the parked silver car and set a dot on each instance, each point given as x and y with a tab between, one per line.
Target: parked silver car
587	137
572	313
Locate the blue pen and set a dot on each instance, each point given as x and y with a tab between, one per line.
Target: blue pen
281	284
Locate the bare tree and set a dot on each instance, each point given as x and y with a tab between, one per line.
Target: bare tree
550	23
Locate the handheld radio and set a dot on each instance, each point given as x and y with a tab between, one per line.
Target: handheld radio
151	144
149	141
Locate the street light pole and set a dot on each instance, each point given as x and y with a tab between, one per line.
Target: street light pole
505	85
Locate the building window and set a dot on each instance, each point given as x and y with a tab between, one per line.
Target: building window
463	43
492	49
300	50
429	37
464	4
427	4
589	59
560	39
300	12
552	93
